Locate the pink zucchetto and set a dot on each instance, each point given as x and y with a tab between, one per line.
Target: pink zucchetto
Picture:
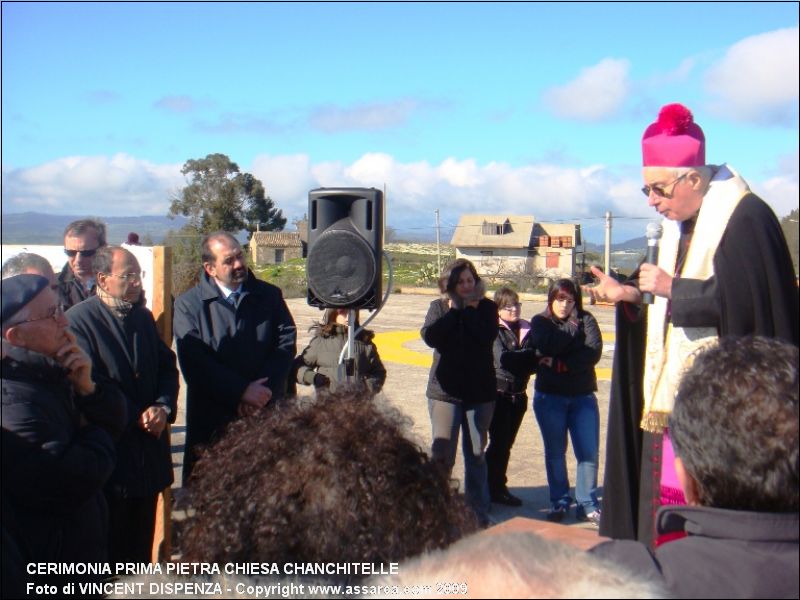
674	140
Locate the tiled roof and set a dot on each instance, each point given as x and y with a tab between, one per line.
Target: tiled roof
276	239
472	231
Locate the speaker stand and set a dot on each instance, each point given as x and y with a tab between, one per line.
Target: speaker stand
349	363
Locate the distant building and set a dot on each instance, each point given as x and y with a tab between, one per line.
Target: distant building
514	245
276	247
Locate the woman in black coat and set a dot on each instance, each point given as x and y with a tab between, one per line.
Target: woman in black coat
461	328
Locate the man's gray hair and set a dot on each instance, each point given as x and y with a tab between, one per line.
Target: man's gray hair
22	262
81	226
705	171
520	565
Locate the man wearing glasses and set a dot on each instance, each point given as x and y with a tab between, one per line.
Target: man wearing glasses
76	281
59	420
723	269
119	334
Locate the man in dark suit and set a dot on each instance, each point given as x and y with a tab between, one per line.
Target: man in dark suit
236	343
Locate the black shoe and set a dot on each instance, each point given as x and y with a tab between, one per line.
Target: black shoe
558	512
507	498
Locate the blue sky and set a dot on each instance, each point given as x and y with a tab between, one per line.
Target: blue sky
498	108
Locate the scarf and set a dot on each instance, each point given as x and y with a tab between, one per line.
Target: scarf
670	350
118	307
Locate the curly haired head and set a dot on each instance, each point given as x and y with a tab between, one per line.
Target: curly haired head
735	424
330	478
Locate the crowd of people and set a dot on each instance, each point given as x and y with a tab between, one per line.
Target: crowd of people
701	487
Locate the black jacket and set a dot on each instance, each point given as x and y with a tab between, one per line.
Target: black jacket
726	554
508	341
463	363
70	290
222	349
54	469
575	347
131	353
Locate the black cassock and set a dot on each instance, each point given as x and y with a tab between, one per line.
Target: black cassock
753	292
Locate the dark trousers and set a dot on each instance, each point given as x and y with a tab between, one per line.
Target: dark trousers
508	413
131	525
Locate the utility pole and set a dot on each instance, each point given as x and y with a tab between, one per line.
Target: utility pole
608	243
438	249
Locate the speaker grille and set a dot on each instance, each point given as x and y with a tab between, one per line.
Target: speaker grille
340	268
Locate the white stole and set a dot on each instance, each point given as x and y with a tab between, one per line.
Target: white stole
668	354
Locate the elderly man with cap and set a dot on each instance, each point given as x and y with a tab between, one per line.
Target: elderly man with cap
119	334
723	269
59	422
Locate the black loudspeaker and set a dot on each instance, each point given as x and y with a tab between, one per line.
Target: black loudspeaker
345	244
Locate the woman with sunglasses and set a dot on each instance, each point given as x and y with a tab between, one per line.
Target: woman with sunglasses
567	338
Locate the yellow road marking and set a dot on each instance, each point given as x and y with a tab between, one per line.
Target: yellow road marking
392	348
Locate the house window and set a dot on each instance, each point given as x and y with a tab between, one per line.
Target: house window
552	260
279	255
488	228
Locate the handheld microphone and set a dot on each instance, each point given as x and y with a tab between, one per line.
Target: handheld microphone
653	233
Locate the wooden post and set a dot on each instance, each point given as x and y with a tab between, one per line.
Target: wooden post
162	313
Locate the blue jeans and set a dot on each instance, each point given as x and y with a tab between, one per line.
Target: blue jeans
474	421
579	416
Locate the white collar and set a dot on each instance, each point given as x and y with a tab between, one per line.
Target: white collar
226	291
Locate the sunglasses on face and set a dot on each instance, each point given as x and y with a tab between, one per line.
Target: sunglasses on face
658	189
83	253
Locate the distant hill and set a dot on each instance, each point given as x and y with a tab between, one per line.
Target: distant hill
638	244
43	228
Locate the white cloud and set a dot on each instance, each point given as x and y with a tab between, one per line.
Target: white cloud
119	185
122	185
287	180
598	92
415	190
757	79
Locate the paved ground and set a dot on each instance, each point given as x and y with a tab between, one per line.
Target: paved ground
407	360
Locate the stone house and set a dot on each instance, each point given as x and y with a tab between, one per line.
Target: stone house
514	245
275	247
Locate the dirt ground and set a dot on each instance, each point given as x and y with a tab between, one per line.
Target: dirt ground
406	358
